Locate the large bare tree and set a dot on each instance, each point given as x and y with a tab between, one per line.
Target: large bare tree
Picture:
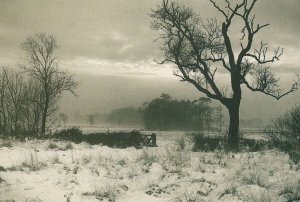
200	49
41	64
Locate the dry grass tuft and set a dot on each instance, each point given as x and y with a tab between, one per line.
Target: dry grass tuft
52	145
30	163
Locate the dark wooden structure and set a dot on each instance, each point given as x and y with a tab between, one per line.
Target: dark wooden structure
150	140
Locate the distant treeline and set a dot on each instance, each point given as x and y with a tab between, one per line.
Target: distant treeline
165	113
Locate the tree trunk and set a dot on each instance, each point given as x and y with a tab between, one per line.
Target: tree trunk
4	122
233	132
44	117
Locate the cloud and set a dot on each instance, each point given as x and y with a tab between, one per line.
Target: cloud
112	68
119	31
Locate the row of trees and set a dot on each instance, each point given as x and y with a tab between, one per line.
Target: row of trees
29	94
165	113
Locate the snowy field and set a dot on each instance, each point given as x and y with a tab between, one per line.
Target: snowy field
55	171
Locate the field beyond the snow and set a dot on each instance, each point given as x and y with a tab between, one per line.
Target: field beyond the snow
54	171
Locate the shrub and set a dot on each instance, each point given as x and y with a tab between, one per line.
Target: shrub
284	131
294	156
6	143
253	145
116	139
146	157
73	134
254	177
1	180
55	160
86	159
52	145
30	165
175	160
68	145
291	192
259	196
204	143
107	192
180	144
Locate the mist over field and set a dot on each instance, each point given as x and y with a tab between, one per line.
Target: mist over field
102	94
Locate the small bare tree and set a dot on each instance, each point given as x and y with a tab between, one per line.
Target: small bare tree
284	130
32	106
15	94
64	118
92	118
200	48
42	65
12	103
3	103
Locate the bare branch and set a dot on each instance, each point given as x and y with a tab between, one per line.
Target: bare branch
260	55
263	80
275	94
219	9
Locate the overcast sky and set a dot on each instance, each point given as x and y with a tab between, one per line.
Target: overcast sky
108	44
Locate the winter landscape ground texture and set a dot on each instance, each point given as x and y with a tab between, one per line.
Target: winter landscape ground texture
61	171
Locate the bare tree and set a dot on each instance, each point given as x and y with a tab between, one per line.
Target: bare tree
32	106
218	118
92	118
42	65
15	95
3	103
201	48
12	103
64	118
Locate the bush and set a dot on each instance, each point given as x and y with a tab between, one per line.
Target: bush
205	143
68	145
253	145
294	155
19	135
110	139
52	145
6	143
291	192
116	139
180	144
73	134
284	131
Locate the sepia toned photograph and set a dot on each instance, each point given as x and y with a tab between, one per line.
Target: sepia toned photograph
149	100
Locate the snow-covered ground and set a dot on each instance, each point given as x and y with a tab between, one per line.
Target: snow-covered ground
53	171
